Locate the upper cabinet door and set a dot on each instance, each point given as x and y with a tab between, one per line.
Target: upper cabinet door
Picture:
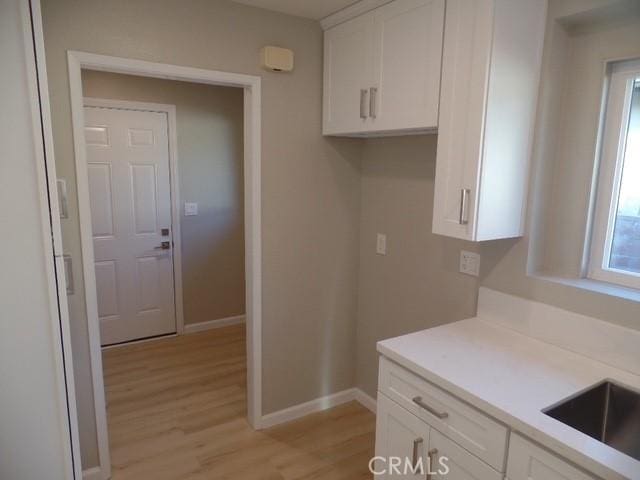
465	66
407	54
490	73
347	74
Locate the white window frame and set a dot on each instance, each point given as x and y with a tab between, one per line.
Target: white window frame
618	103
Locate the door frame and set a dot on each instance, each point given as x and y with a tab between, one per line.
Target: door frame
174	187
64	393
252	217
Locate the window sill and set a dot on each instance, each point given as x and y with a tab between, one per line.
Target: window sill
588	284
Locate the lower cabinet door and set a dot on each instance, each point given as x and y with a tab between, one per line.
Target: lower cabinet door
452	462
530	462
402	441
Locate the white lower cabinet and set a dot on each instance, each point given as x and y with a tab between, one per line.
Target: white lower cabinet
402	440
527	461
466	426
419	423
455	463
407	447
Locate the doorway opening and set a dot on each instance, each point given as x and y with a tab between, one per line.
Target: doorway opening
133	217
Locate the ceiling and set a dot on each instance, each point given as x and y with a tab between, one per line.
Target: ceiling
314	9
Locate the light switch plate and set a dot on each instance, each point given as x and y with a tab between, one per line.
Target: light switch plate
469	263
381	244
190	209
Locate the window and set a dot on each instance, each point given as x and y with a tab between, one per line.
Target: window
615	253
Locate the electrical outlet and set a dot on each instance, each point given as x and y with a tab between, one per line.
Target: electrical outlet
190	209
381	244
469	263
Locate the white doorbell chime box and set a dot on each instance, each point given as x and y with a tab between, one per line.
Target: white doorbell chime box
276	59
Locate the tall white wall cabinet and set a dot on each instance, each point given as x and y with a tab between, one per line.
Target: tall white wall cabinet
490	74
39	431
382	70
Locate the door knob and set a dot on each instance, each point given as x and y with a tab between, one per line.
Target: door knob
163	246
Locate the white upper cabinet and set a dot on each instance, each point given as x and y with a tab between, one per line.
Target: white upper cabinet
347	74
382	70
407	55
490	73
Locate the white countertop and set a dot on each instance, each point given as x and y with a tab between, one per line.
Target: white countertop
513	377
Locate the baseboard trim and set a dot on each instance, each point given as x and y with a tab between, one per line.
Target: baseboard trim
92	474
318	405
210	324
366	400
313	406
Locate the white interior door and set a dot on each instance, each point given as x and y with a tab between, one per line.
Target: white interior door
129	189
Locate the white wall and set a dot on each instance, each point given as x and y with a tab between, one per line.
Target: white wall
31	427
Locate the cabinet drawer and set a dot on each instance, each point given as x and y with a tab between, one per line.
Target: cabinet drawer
468	427
530	462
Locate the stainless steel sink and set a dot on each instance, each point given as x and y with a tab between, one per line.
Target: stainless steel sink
607	412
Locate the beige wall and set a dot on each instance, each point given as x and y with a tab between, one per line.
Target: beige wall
416	285
210	144
320	270
575	150
310	185
563	162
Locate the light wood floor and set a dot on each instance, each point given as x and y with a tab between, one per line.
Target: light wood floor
176	410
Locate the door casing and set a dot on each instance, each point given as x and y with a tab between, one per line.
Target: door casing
251	86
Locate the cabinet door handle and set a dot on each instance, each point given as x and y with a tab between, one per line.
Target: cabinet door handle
433	453
68	273
416	444
441	415
373	102
464	206
363	103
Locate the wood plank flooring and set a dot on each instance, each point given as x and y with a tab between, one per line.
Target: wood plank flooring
177	411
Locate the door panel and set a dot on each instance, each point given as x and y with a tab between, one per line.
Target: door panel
530	462
100	200
465	73
461	465
108	292
143	186
148	273
400	435
407	38
128	165
347	71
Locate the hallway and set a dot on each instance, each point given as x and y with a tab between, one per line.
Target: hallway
176	410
